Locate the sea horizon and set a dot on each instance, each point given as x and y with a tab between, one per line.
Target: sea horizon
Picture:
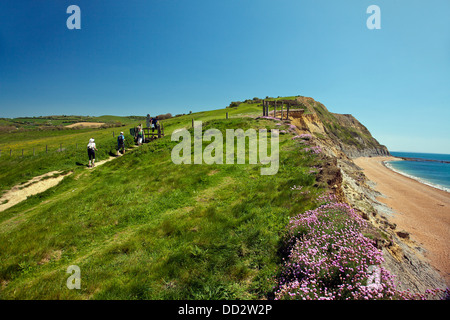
434	173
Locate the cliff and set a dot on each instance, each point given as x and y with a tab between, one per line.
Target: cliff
343	138
341	133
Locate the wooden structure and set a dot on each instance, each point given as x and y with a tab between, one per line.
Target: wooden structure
284	113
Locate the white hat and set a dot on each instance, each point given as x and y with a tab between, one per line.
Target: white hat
91	140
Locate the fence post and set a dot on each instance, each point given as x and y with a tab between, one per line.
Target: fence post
113	134
33	152
192	122
10	152
46	148
287	112
60	147
282	102
275	109
159	131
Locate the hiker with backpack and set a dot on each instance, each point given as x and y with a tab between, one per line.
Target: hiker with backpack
91	148
121	143
140	136
154	123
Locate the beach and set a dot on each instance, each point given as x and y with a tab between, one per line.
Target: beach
421	210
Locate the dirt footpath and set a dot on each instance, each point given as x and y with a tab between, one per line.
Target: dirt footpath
34	186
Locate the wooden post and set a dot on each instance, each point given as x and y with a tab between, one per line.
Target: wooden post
147	120
227	115
282	102
159	131
33	152
60	147
76	147
264	107
287	113
113	134
192	122
10	152
46	149
275	109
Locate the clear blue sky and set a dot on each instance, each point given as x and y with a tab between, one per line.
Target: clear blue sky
138	57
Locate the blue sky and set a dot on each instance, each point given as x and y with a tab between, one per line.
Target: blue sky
138	57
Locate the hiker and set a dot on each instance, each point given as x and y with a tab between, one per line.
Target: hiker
154	123
139	136
121	143
91	148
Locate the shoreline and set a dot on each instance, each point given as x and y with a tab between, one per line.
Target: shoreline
410	176
421	210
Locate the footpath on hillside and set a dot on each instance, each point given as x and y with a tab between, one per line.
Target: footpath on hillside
40	184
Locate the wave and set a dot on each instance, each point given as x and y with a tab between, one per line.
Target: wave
421	180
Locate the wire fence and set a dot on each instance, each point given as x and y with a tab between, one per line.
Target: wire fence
79	146
48	149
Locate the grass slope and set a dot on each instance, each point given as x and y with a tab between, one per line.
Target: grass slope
141	227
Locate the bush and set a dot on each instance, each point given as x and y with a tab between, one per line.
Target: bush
234	104
165	116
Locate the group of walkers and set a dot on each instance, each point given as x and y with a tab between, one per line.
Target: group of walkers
91	148
139	132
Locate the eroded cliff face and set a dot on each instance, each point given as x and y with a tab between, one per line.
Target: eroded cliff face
343	138
341	133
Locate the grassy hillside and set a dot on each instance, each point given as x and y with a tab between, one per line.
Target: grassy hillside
16	169
141	227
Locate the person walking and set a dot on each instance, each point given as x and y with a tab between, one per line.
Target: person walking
121	143
139	136
91	148
154	123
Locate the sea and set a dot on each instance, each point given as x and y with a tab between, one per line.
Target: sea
435	173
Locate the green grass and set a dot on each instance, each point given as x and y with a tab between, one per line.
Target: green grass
141	227
16	169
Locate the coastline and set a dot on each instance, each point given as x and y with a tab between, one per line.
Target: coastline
421	180
421	210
